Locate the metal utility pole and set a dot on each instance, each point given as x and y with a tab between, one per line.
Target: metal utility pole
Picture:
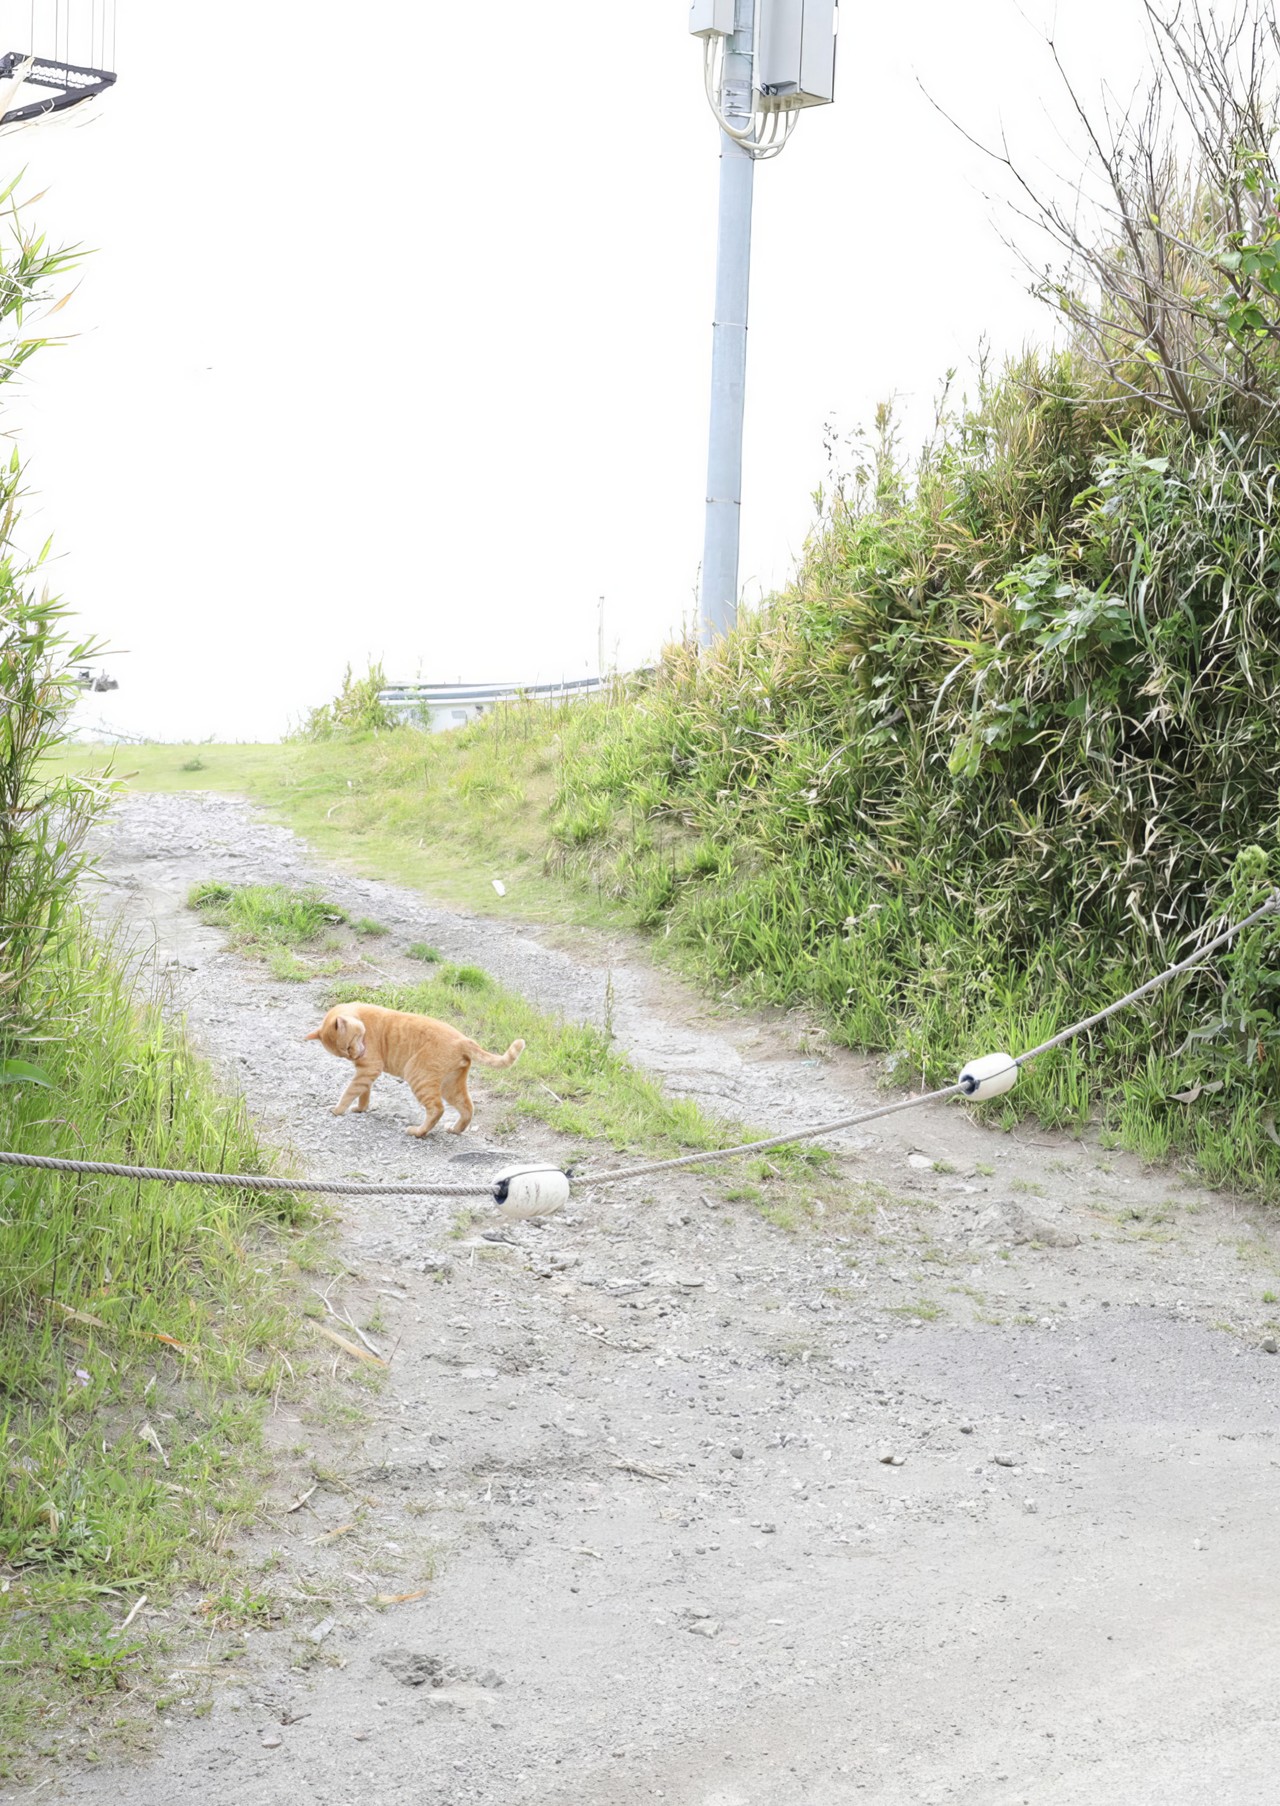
764	61
718	599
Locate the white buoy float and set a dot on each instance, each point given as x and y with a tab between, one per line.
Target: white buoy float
531	1191
991	1076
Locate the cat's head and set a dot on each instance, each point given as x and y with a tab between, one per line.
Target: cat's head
341	1034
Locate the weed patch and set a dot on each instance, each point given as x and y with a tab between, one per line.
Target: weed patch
143	1328
273	922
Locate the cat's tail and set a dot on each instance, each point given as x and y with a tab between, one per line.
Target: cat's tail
487	1059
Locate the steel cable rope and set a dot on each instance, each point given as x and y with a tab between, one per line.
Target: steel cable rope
932	1097
355	1188
416	1188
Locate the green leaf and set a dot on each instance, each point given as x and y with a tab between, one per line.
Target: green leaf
22	1072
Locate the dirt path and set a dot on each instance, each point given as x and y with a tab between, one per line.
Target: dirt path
644	1444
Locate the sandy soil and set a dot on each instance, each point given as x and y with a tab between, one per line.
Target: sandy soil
973	1497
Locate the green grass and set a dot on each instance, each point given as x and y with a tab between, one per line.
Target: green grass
426	810
924	1308
134	1319
272	922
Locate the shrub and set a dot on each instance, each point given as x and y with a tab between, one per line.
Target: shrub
355	709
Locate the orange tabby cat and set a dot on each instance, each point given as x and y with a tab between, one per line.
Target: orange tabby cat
432	1058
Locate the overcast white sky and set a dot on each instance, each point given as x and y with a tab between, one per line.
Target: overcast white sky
397	338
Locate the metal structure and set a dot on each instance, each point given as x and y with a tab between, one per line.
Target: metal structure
69	59
443	706
764	62
64	85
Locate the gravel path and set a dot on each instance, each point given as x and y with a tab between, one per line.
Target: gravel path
972	1497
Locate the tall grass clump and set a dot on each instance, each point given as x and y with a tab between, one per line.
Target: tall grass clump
143	1329
1010	740
356	709
139	1324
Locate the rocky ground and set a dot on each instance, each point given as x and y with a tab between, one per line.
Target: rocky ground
968	1493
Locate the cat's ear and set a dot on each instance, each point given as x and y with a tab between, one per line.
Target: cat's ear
313	1036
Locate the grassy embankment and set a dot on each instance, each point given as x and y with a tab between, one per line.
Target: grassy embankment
446	813
143	1330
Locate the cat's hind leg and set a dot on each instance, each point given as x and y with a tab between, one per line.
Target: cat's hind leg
427	1092
456	1093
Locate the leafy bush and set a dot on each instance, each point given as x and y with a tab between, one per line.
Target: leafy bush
989	761
356	708
43	820
1172	282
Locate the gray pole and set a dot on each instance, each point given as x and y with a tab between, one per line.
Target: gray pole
718	609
